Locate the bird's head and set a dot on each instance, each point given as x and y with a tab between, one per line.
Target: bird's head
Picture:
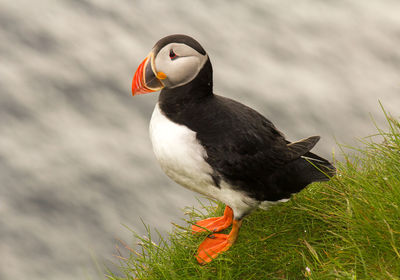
174	61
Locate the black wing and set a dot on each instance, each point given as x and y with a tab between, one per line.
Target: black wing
246	149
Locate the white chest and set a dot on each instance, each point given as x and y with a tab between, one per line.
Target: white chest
179	153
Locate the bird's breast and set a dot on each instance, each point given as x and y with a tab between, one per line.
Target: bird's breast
179	153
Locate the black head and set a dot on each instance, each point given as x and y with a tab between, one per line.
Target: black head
174	61
179	39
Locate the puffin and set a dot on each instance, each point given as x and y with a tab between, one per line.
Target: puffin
217	146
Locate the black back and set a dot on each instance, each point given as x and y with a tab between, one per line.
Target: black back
243	147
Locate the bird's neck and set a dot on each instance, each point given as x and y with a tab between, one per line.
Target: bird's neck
177	100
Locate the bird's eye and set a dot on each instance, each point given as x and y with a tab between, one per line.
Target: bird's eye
172	55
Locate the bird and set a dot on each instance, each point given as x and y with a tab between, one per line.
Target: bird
216	146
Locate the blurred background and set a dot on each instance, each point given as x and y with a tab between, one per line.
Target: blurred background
76	163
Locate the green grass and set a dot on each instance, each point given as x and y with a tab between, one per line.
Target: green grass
347	228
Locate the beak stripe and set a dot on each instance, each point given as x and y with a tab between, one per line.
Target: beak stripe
146	79
138	86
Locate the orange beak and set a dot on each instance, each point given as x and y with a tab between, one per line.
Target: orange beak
146	78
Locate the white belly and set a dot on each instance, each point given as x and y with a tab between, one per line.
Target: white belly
182	158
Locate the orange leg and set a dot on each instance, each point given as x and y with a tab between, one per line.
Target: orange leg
217	243
215	224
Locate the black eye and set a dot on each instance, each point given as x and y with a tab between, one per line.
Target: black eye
172	55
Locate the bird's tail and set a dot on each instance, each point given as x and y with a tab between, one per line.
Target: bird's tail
323	169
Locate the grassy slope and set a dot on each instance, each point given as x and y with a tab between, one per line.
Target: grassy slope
348	228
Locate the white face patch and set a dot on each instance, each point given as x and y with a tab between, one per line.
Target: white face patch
181	69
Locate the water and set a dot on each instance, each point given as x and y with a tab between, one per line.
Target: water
76	163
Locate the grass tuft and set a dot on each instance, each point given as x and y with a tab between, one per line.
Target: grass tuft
347	228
